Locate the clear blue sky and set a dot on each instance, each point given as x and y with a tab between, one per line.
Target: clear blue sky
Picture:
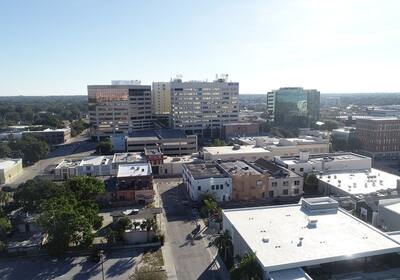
60	46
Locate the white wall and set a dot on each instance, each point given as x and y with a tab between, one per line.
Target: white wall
205	185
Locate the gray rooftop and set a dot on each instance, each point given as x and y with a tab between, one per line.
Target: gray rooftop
205	170
239	168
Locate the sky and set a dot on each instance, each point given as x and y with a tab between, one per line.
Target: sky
54	47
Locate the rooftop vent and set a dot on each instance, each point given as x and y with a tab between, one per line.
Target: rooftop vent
312	223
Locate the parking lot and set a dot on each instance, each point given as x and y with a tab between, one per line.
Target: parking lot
117	265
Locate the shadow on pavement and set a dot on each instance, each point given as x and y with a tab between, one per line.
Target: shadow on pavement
213	272
35	269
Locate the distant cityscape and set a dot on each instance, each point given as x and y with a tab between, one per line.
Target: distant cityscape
292	183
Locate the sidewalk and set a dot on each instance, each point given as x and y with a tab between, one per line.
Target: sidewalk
169	262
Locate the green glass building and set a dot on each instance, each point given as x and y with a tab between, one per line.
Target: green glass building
293	106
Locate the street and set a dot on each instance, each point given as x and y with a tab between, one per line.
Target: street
117	265
192	257
77	146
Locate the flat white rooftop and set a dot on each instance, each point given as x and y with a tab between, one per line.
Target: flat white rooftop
96	160
293	236
395	207
325	158
361	182
8	162
134	169
245	149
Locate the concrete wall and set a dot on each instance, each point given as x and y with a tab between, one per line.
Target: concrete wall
388	219
246	187
138	236
208	186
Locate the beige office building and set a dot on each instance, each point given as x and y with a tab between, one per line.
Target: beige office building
161	98
119	108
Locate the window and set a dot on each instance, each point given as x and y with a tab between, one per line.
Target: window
285	183
271	193
301	169
212	187
199	188
296	191
292	169
259	183
222	187
217	187
285	192
274	184
296	183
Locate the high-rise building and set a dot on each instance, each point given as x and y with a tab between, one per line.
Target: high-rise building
293	106
201	107
379	137
161	98
119	108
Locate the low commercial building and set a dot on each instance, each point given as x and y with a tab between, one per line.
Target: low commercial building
88	166
51	136
252	148
331	162
9	169
134	183
247	182
237	152
169	141
207	179
389	214
282	183
126	158
173	166
343	133
240	129
358	183
312	240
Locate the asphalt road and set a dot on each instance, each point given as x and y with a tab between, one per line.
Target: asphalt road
193	258
117	265
77	146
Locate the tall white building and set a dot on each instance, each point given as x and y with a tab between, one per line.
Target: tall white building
201	107
161	98
119	108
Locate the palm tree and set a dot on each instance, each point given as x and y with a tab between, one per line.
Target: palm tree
247	268
210	206
4	197
149	224
135	224
223	242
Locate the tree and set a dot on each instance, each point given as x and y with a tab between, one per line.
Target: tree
223	242
77	127
5	150
149	225
111	236
310	183
31	148
209	206
104	147
5	227
67	221
85	187
247	268
218	142
31	194
135	224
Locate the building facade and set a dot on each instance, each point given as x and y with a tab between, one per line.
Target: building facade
379	137
247	182
293	106
282	183
51	136
119	108
161	98
207	179
202	108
